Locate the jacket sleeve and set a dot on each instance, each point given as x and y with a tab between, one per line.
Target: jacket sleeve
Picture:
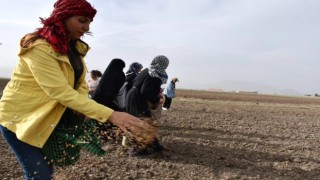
49	75
169	90
83	89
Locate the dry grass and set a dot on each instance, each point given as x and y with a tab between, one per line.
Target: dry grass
256	98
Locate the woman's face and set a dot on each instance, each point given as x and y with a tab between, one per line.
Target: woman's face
139	69
77	26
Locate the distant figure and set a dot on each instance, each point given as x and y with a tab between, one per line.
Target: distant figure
169	93
93	82
134	69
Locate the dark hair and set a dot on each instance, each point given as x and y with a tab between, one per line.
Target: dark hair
134	67
96	73
28	39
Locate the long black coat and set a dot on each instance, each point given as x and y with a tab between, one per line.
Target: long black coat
129	78
146	89
110	84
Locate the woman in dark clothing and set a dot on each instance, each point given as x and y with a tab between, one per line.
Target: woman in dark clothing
105	94
132	72
146	91
110	84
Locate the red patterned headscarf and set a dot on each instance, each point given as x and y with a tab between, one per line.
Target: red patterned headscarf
54	29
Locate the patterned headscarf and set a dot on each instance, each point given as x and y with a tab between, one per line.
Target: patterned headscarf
54	30
158	68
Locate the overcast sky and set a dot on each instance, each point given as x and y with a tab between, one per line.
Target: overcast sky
273	42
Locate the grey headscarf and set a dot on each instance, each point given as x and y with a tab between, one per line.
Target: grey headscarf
158	68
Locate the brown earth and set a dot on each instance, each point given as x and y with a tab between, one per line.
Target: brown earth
211	135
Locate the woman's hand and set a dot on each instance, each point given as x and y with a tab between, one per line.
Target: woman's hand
133	127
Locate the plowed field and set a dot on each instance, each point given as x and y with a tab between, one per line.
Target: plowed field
211	135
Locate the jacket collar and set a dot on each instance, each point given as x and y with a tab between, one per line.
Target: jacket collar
82	47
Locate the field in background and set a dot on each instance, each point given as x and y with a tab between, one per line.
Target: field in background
213	135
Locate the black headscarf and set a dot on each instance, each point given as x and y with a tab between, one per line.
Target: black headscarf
134	67
110	84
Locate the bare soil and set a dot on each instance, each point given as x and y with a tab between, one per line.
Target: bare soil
211	135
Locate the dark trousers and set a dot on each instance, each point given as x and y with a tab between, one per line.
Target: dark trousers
167	102
31	158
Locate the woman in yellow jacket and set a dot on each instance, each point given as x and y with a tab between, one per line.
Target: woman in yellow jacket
48	82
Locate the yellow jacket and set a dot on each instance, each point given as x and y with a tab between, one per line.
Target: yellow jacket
40	89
